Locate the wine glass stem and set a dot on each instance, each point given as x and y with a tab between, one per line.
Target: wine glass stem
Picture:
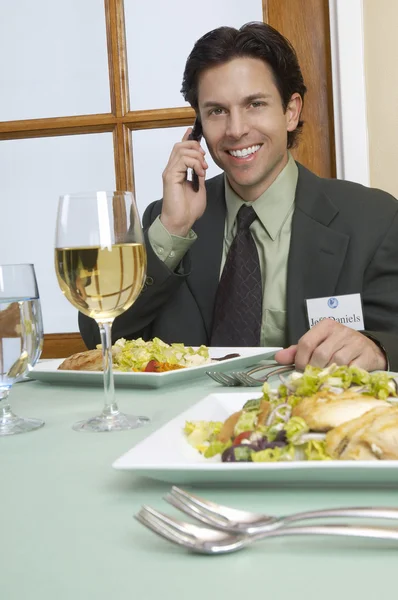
111	407
5	409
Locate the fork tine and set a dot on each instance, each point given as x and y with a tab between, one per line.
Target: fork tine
201	502
170	525
223	378
223	514
227	379
213	376
177	526
186	507
159	529
250	381
198	510
275	368
247	381
225	518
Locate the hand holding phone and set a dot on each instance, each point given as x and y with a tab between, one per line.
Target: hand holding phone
184	199
196	135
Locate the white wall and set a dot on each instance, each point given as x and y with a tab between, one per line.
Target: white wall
381	70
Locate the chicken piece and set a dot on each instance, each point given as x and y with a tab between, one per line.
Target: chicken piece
325	410
91	360
338	438
227	429
373	436
264	411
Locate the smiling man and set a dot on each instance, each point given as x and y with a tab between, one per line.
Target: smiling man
234	263
246	124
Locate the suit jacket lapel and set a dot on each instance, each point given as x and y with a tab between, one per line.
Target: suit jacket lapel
205	254
316	252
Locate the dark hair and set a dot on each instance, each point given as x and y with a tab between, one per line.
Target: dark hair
255	40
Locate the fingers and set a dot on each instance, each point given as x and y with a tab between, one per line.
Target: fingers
185	138
186	135
182	159
326	343
312	341
286	356
330	342
187	154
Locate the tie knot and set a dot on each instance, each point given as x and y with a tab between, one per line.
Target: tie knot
246	216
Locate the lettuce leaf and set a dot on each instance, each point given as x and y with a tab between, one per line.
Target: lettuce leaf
379	385
215	448
315	450
295	428
246	422
286	453
202	432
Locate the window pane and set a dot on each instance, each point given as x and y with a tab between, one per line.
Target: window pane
151	151
160	35
53	59
35	172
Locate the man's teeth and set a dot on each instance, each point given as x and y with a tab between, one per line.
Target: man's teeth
244	151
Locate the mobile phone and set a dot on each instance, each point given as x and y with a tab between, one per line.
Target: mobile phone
196	135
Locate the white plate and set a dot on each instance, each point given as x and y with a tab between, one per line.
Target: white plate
47	370
166	455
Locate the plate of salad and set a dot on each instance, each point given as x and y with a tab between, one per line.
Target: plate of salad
153	364
333	425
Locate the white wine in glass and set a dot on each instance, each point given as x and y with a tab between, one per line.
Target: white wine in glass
100	261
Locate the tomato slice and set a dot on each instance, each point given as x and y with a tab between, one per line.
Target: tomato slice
242	436
151	366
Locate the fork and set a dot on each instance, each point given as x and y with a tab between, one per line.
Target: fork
248	381
243	522
203	540
244	378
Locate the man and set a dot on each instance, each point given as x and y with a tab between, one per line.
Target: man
221	274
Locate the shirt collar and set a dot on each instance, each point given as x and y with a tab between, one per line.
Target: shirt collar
272	207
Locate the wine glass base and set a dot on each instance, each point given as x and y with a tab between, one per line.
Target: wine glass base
111	422
13	425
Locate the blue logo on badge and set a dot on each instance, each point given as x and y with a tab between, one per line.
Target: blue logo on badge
333	303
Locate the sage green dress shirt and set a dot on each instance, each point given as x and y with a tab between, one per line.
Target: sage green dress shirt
271	233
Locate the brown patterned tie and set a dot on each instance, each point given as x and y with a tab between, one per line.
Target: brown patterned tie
238	305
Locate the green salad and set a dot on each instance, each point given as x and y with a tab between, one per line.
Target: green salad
264	430
136	355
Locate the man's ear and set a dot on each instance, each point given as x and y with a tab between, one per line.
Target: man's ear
293	112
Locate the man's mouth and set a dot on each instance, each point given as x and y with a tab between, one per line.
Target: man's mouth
243	152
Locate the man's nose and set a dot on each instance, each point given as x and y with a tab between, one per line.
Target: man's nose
237	125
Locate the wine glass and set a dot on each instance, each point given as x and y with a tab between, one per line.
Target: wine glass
21	339
100	261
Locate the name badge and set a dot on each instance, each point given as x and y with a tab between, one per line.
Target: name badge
346	310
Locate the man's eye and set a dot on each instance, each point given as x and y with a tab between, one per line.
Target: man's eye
217	111
257	104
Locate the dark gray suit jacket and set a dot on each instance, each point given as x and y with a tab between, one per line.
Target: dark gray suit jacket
344	240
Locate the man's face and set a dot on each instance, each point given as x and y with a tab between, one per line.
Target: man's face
244	123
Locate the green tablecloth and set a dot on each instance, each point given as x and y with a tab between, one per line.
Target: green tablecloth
67	528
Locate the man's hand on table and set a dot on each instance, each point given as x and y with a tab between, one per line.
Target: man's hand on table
330	342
